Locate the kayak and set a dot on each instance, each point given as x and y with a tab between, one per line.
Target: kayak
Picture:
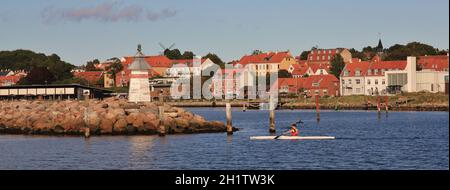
292	138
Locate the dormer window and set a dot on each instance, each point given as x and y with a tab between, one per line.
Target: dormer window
315	84
369	72
357	73
346	73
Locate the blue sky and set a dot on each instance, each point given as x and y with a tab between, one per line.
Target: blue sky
81	30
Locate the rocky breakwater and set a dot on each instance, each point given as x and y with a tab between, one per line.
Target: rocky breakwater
108	117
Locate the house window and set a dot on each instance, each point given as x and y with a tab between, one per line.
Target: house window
329	57
376	72
316	84
376	81
325	92
316	92
357	73
310	57
318	58
383	81
345	73
368	81
323	57
382	71
369	72
349	81
343	81
358	81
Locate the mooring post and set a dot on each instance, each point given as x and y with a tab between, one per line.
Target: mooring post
386	99
229	122
87	132
244	107
272	121
378	104
317	107
161	127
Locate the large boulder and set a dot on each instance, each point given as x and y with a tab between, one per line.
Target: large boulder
120	125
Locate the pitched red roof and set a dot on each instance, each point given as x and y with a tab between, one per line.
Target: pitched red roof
386	65
154	61
438	62
353	67
315	67
299	69
270	57
91	76
323	81
9	80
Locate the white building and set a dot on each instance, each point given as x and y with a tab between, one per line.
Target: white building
387	77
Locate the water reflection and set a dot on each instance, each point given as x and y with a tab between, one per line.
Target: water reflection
140	149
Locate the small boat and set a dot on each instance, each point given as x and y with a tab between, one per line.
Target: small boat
292	138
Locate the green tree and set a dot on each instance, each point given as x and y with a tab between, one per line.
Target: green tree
215	58
257	52
38	75
90	65
188	55
284	74
73	80
304	55
337	65
400	52
172	54
114	68
28	60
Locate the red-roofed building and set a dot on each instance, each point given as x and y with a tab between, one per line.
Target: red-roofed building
298	70
325	56
352	78
435	63
268	62
377	77
321	85
9	80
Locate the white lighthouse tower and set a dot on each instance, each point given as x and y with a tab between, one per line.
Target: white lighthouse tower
139	86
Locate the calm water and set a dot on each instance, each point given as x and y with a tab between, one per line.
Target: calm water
403	140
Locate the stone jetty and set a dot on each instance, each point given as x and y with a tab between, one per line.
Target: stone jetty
107	117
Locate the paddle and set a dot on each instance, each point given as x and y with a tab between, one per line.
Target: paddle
281	134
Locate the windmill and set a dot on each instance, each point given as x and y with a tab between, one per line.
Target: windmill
164	48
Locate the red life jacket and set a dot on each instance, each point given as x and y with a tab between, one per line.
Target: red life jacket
294	132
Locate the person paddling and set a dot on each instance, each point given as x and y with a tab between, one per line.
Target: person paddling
294	131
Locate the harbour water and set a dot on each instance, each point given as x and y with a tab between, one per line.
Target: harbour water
400	140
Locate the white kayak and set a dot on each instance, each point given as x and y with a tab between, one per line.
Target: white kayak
292	138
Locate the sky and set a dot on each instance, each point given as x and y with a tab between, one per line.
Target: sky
83	30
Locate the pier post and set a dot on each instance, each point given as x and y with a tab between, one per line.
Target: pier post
161	127
386	103
272	121
317	108
229	122
244	107
378	104
87	132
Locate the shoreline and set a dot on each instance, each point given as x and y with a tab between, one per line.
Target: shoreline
313	107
